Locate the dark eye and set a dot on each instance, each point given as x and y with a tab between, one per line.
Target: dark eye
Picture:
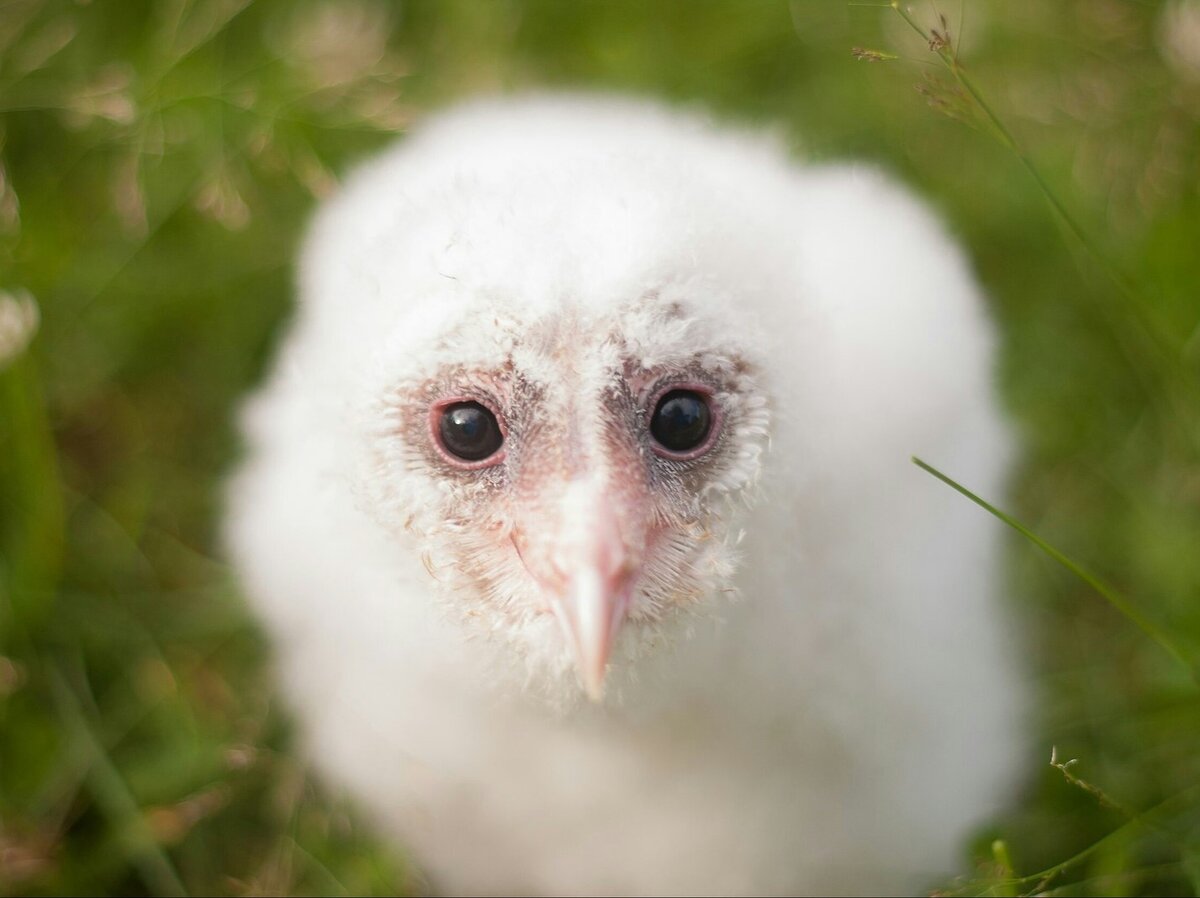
469	431
681	421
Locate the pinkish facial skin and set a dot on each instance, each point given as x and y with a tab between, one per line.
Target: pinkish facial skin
581	521
581	514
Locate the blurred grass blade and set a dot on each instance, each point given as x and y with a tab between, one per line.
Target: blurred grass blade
112	795
1005	886
1191	866
31	500
1114	598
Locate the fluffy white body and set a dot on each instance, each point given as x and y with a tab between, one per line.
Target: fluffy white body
817	691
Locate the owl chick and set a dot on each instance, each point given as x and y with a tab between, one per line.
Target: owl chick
579	510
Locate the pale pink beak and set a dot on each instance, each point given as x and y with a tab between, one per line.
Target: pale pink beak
589	578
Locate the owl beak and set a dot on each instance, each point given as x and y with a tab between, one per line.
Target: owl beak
587	576
591	613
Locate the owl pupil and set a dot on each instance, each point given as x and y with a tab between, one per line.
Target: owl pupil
681	420
469	431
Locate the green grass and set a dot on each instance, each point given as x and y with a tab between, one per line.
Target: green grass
159	161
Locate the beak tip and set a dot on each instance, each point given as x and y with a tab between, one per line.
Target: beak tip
594	687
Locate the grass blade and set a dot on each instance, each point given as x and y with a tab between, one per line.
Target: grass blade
1114	598
112	795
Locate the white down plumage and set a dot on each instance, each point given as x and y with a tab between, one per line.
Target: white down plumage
586	396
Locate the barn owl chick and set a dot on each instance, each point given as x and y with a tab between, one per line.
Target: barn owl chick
579	509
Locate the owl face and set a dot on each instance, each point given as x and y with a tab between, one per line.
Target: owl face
575	476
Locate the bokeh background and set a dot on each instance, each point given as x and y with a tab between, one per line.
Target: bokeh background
158	161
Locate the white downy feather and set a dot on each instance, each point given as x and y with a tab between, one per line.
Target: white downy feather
820	691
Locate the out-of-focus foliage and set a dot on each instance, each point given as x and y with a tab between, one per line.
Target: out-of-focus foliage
157	164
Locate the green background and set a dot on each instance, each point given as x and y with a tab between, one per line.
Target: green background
158	162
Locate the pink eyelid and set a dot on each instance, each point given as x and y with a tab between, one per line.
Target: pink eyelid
714	426
435	415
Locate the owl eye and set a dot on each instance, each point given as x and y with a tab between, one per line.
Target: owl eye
469	431
682	421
